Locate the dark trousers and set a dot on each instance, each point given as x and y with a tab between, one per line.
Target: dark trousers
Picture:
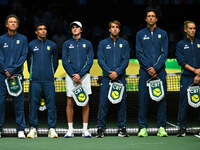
18	105
144	99
104	104
36	89
186	81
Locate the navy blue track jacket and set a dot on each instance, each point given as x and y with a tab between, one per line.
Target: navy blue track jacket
77	56
113	57
13	53
42	60
152	48
188	52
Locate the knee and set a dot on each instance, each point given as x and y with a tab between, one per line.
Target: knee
86	107
70	102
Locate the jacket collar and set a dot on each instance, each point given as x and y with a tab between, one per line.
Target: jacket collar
112	39
8	35
80	39
155	29
39	41
188	40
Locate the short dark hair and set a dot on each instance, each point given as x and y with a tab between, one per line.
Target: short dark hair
40	24
10	16
150	9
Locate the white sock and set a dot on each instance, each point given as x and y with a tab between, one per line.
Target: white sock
70	126
85	126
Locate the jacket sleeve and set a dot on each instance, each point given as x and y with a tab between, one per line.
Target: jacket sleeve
101	59
89	61
143	60
55	58
2	64
29	58
180	55
66	60
125	60
162	58
12	69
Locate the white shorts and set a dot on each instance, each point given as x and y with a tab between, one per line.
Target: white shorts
85	81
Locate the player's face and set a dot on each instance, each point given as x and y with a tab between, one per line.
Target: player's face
114	29
190	30
41	31
151	18
76	30
12	24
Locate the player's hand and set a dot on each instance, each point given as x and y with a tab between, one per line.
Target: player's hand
152	72
76	78
197	71
155	75
196	79
113	75
7	73
12	77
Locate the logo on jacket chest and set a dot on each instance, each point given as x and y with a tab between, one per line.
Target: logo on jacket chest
18	41
84	45
108	47
5	45
36	48
186	47
71	46
146	37
48	48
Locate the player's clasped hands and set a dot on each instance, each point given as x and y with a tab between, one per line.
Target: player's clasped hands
113	75
152	72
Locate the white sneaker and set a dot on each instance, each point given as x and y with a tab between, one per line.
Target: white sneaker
0	134
21	135
86	134
69	134
52	133
32	133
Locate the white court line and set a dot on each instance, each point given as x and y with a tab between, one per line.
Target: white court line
173	125
197	136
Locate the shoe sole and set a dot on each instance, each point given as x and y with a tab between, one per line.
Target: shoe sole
142	135
121	135
52	136
32	137
69	136
181	135
86	136
99	136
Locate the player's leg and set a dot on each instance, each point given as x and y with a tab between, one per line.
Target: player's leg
103	106
19	113
70	114
85	113
161	112
86	83
122	112
70	106
35	90
143	103
3	94
183	105
49	94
